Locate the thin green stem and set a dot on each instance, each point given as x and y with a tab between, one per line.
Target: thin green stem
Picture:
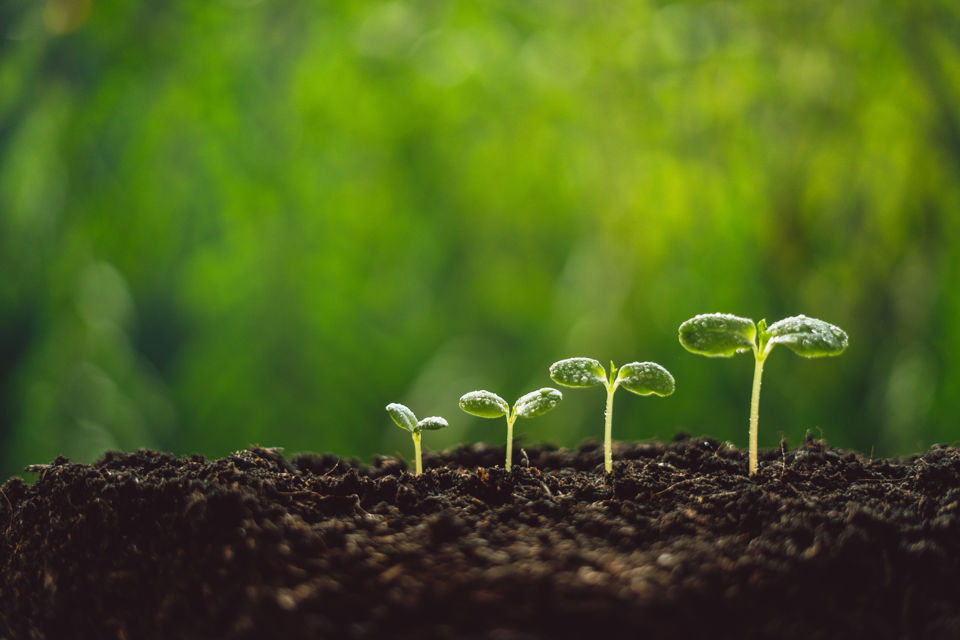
416	452
510	420
608	430
755	410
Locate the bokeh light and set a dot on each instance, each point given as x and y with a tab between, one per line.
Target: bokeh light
246	222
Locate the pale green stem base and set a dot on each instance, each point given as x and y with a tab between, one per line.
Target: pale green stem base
608	431
510	421
755	414
416	452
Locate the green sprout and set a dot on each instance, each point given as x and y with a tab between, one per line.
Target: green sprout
721	335
642	378
407	421
486	404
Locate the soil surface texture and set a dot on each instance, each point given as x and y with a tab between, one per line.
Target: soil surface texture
678	542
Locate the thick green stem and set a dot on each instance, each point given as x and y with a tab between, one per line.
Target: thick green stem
608	431
416	452
755	412
510	420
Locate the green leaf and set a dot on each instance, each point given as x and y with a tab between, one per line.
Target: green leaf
717	335
402	416
537	403
644	378
808	337
432	424
578	372
484	404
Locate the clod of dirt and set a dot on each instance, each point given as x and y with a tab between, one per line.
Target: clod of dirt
678	542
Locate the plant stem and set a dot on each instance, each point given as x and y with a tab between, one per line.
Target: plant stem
755	412
608	431
416	452
510	420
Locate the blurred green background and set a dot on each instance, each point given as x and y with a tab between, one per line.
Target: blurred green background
242	221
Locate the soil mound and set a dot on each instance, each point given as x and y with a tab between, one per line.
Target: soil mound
678	542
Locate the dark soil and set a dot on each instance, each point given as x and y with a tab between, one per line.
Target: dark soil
677	543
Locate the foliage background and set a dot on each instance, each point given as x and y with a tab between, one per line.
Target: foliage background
241	221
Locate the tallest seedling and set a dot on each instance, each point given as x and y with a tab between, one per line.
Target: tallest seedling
721	335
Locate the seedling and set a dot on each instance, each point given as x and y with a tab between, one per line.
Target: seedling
486	404
407	421
721	335
641	378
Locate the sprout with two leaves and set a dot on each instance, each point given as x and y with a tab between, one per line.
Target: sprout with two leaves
486	404
721	335
642	378
407	421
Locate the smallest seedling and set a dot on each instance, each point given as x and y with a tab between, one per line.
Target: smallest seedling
486	404
407	421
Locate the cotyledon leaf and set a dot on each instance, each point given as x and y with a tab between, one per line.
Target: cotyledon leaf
578	372
808	337
432	424
718	334
537	403
644	378
484	404
402	415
